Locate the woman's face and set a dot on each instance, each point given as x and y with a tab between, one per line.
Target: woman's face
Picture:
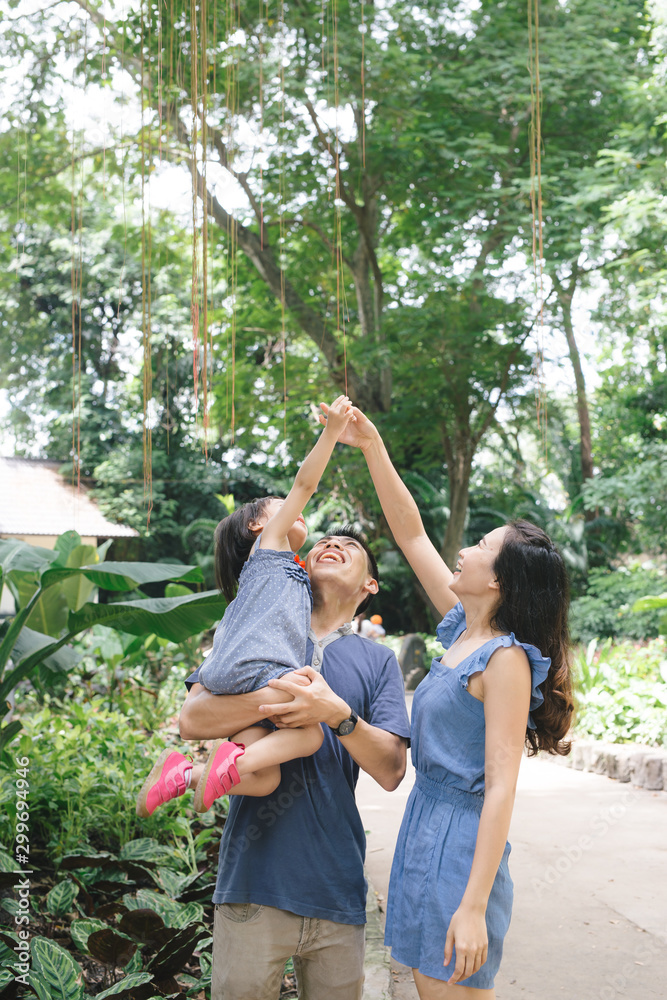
474	573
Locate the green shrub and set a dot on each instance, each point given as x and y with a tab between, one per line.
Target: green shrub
621	691
605	611
87	764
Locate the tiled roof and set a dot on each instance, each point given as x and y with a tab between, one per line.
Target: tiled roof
36	500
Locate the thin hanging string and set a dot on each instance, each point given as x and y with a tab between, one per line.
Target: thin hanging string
232	75
282	193
104	134
363	84
159	80
145	291
263	10
535	144
74	291
204	140
283	198
123	169
194	290
341	306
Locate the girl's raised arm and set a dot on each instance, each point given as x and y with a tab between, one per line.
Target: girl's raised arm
309	475
401	512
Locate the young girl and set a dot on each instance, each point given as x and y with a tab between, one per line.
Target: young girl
262	635
503	683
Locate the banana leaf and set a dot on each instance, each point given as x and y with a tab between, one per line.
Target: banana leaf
173	618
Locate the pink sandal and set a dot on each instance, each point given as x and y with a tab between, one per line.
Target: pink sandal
220	774
168	779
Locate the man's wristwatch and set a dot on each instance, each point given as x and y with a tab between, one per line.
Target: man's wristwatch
347	725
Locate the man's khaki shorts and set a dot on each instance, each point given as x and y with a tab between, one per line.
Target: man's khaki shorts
251	944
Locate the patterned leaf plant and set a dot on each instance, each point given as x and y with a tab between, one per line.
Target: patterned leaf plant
56	971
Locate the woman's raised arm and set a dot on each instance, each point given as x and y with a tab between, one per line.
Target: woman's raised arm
401	512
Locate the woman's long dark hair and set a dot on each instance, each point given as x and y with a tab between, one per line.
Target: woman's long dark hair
233	541
534	601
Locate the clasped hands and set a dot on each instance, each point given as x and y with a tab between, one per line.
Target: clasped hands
313	701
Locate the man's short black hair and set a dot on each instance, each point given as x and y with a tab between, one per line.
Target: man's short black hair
349	531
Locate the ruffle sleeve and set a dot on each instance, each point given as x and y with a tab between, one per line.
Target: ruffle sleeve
451	626
539	666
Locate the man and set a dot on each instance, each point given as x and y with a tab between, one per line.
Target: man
290	875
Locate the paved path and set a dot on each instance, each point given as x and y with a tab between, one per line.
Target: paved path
589	864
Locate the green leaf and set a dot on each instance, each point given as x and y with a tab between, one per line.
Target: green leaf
144	849
56	967
175	618
177	590
6	862
40	987
79	589
82	929
8	732
650	603
121	576
192	913
59	901
49	614
19	556
101	860
173	955
125	986
167	908
30	642
65	545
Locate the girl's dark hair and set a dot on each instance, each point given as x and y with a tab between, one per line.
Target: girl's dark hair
233	541
534	601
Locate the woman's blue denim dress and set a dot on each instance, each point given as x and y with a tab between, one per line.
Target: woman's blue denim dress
437	839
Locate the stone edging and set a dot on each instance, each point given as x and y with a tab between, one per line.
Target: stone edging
624	762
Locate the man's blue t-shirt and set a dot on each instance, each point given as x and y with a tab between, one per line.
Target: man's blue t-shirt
302	848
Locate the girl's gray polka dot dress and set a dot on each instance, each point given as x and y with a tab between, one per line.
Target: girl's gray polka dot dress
264	629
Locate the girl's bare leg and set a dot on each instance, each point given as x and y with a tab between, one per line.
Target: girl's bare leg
435	989
259	766
277	747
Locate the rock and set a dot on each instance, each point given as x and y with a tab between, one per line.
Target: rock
412	655
598	758
650	775
414	678
636	766
581	756
618	764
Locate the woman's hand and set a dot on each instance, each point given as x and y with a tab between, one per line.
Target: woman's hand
360	431
467	932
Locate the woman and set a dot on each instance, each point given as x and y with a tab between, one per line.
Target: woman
450	896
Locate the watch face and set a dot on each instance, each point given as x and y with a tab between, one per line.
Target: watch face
346	727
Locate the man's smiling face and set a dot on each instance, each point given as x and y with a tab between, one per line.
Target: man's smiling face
338	560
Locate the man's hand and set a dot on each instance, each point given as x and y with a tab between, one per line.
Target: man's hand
314	701
360	432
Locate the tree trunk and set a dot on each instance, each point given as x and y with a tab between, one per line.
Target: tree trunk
565	296
459	470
